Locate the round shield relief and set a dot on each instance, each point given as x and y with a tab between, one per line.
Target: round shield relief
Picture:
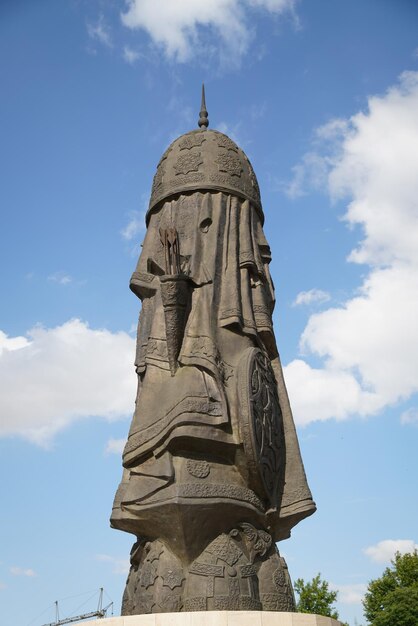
261	424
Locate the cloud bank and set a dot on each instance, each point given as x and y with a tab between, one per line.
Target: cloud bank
369	345
350	594
385	550
56	376
184	28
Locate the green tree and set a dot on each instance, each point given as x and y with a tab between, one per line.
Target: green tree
392	599
315	597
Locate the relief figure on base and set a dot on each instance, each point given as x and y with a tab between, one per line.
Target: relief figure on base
212	470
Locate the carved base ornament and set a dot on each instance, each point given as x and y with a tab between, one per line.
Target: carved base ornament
213	475
239	570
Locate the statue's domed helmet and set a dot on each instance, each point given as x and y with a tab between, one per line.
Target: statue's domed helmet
204	160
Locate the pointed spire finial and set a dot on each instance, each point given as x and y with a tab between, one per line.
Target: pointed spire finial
203	119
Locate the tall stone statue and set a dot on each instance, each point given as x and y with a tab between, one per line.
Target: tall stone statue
212	470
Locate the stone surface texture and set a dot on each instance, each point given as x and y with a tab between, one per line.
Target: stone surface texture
212	470
221	618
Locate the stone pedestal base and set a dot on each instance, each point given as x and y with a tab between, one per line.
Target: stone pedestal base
219	618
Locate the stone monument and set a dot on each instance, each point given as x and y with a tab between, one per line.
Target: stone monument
213	476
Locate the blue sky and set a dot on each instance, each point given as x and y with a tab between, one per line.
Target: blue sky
323	97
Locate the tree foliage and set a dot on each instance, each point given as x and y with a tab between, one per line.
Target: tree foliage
392	599
315	597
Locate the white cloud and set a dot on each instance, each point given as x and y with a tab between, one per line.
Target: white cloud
11	343
63	374
320	394
311	296
100	31
61	278
378	168
135	226
115	446
130	55
21	571
183	27
311	173
410	416
371	341
350	594
374	336
385	550
120	566
274	6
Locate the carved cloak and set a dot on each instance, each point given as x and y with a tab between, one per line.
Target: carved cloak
225	257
